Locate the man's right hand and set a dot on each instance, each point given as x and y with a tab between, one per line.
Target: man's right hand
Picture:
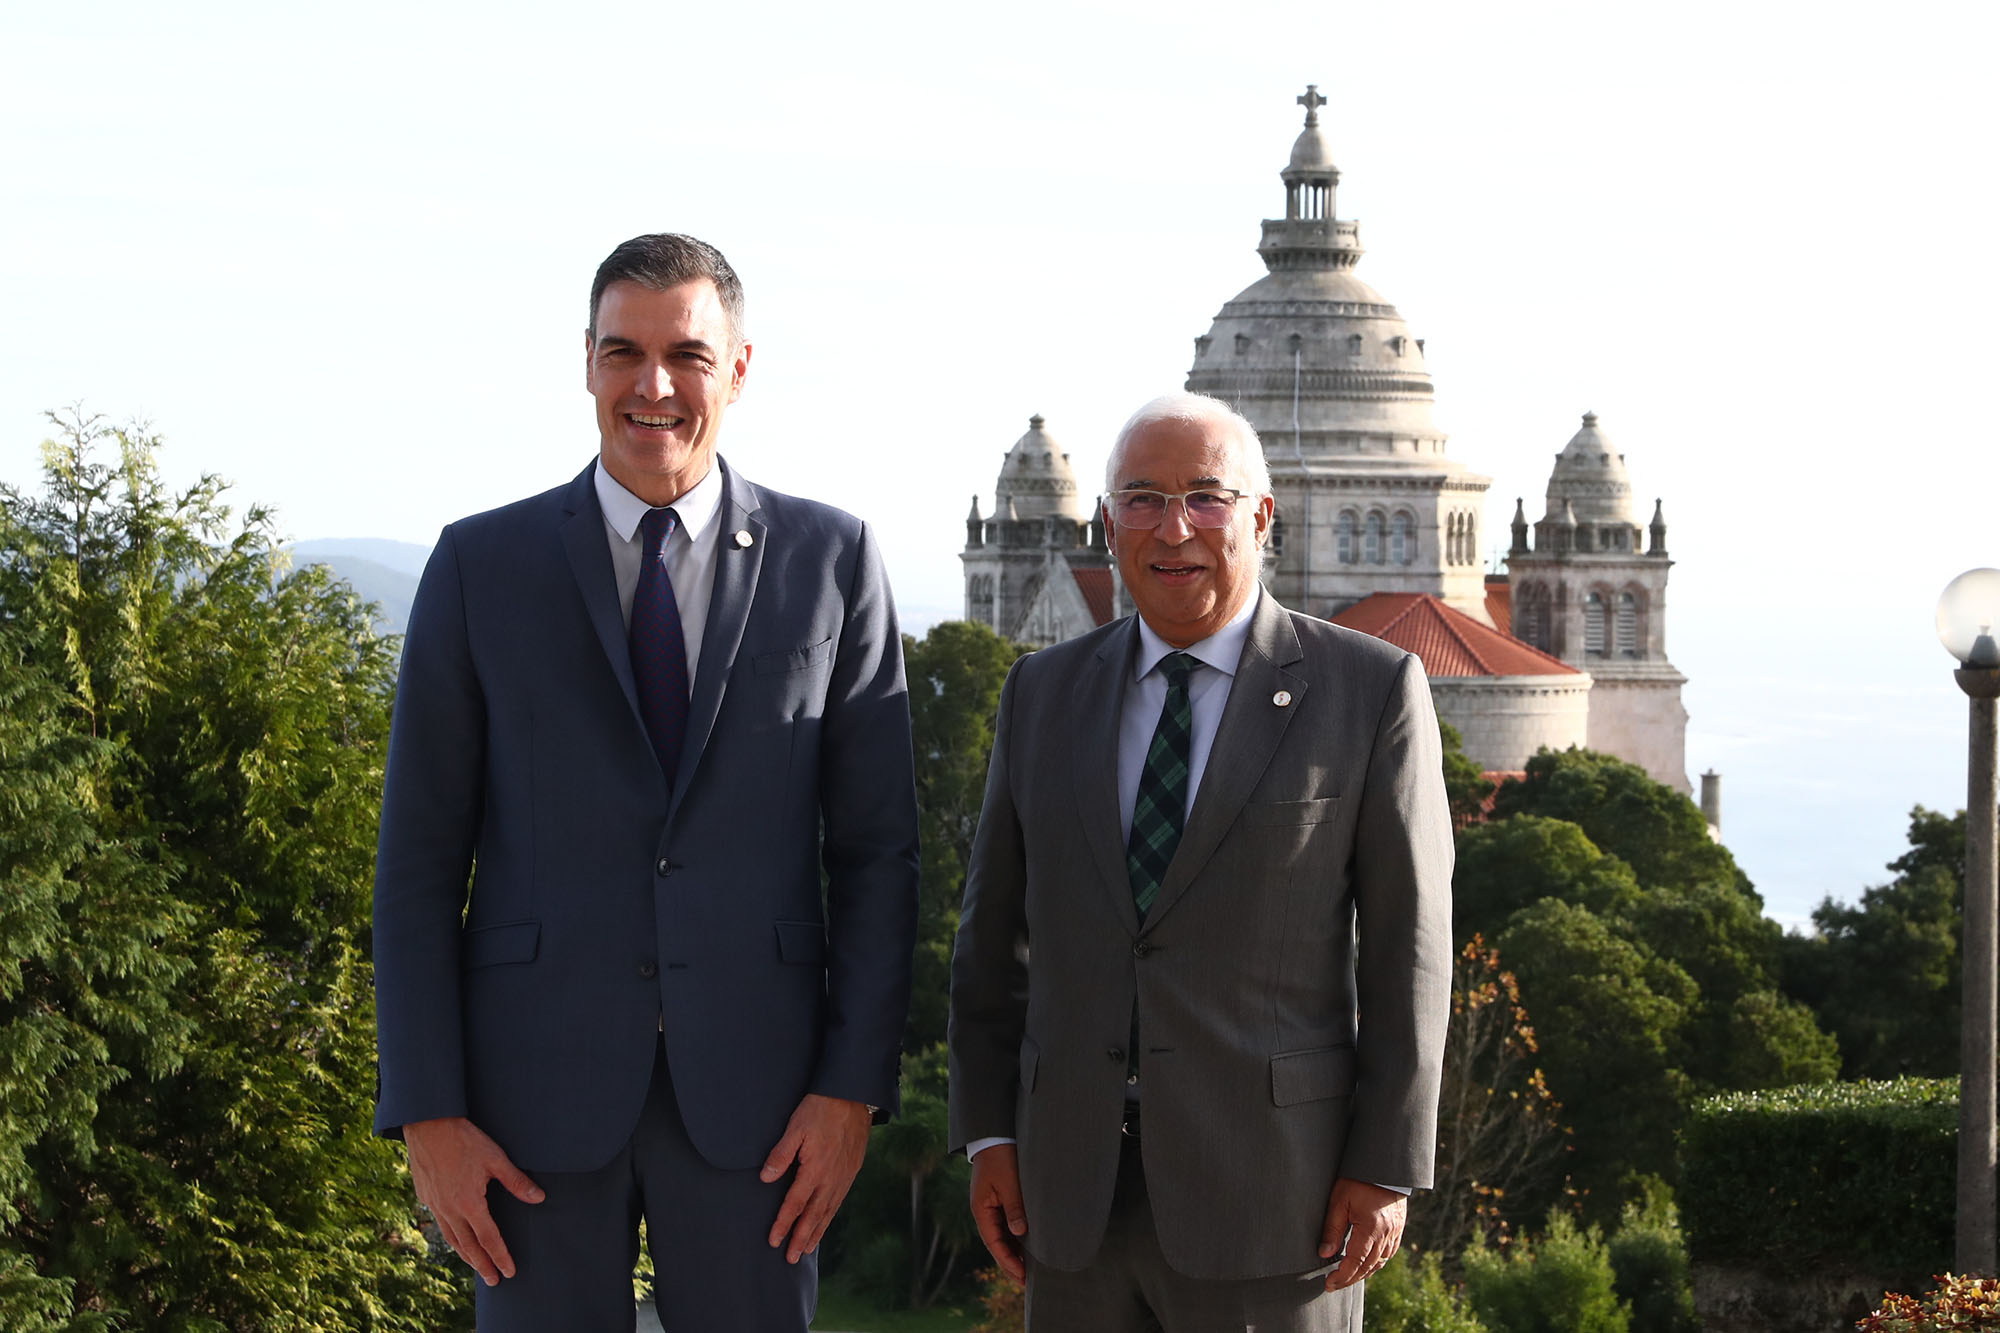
996	1207
451	1160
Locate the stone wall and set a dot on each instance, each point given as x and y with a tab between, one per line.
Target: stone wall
1643	722
1739	1300
1503	720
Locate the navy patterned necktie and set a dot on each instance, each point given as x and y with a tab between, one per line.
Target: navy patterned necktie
659	650
1161	809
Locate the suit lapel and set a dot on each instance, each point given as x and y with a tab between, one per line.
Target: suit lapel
736	571
1099	698
589	554
1246	738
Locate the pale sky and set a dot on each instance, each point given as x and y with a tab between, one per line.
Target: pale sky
341	254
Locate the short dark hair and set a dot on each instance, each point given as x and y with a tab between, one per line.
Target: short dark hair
667	259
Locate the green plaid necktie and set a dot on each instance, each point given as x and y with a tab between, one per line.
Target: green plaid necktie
1161	809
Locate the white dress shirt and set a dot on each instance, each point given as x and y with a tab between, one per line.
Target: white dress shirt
689	554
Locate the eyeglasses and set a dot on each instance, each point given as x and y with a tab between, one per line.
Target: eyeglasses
1210	508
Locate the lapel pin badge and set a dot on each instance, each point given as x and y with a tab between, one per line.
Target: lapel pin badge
1282	698
742	537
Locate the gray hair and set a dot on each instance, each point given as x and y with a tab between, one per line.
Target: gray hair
1197	409
664	260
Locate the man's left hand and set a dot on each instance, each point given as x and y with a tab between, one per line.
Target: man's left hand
827	1137
1371	1219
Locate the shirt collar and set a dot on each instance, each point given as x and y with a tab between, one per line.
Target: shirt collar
694	511
1221	650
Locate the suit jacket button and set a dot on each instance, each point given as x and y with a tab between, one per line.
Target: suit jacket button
1141	949
649	970
664	867
1117	1055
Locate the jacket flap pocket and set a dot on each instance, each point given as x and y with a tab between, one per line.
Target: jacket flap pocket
1311	1076
801	941
513	942
1290	812
798	659
1031	1059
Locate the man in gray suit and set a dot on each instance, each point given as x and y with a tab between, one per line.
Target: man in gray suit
645	713
1195	1100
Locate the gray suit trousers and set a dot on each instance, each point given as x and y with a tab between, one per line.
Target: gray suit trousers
1130	1289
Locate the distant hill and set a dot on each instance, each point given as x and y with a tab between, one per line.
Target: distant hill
382	572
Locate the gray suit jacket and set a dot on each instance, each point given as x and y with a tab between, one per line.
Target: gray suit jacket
599	904
1277	1051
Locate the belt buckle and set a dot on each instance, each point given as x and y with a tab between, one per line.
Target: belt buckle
1129	1127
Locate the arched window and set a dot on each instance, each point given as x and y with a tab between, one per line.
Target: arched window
1343	536
1403	538
1625	635
1277	535
1593	626
1531	616
981	599
1371	542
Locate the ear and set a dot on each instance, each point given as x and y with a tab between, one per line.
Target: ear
738	369
1266	506
589	362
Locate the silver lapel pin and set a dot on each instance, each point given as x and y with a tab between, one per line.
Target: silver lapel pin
1282	698
742	537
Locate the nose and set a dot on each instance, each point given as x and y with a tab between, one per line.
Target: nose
1174	525
655	383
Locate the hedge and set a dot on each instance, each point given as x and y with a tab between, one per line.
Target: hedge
1841	1174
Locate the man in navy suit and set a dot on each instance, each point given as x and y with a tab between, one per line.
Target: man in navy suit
641	717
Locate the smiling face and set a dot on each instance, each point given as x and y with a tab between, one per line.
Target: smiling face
663	368
1186	581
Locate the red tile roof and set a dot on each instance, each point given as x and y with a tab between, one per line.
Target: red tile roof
1095	584
1500	602
1449	642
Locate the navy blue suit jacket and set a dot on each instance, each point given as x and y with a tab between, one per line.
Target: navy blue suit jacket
542	905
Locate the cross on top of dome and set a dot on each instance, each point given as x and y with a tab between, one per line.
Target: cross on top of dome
1312	102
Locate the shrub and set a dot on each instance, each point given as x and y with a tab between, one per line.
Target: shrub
1823	1174
1410	1295
1561	1283
1005	1302
1650	1261
1958	1302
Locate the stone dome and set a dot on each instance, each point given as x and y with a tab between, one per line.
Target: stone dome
1590	478
1038	479
1312	151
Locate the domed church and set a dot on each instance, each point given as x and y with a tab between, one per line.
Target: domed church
1377	526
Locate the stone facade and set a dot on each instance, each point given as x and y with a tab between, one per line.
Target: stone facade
1334	382
1504	719
1592	590
1020	563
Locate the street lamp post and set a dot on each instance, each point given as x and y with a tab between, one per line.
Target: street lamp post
1966	615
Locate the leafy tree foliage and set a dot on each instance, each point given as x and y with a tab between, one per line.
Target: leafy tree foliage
1646	824
1883	974
955	673
187	876
1509	864
1499	1138
1410	1295
1649	1260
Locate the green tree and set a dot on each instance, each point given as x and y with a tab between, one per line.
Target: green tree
1610	1016
955	673
222	1176
1646	824
1883	974
1562	1282
1508	864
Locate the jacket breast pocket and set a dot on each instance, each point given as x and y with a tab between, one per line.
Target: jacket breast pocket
509	942
796	659
1278	814
1311	1076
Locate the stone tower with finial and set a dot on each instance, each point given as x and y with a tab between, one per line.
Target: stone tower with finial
1037	569
1592	590
1329	374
